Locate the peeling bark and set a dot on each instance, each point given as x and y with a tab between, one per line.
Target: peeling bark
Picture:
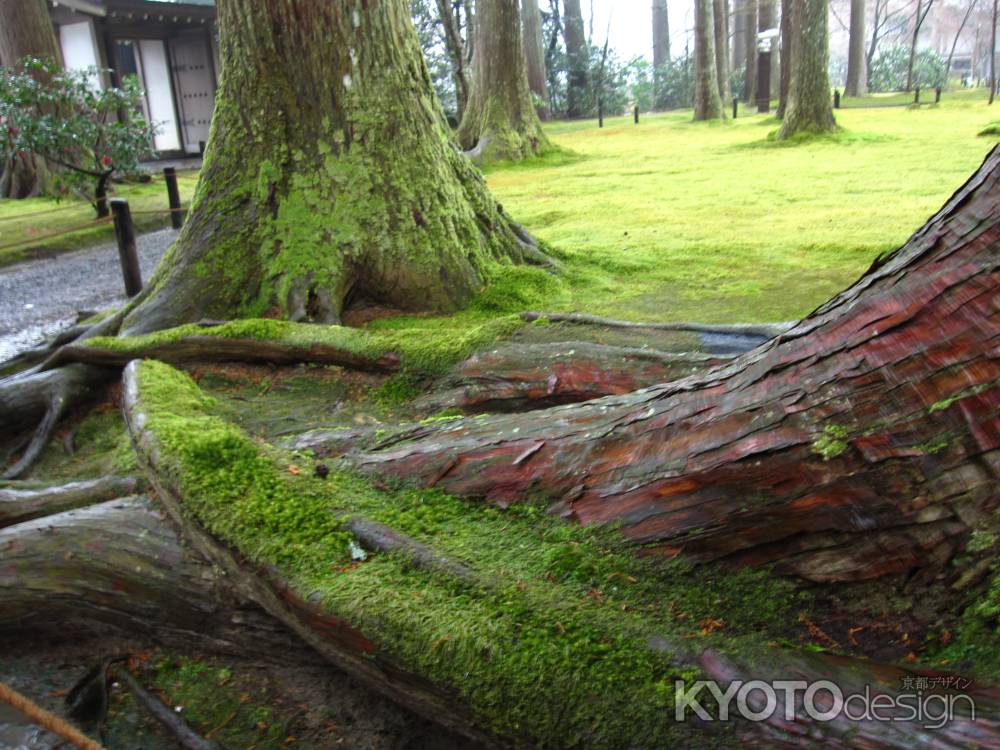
861	442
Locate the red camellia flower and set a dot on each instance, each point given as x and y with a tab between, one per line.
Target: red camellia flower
106	160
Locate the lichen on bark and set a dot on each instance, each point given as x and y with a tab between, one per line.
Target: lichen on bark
329	176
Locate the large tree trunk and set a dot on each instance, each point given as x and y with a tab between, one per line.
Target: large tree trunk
534	54
788	30
661	34
750	49
329	176
857	74
576	51
456	52
809	107
721	19
25	30
862	442
707	102
500	122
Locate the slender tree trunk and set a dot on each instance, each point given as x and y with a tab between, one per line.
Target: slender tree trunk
857	74
788	29
918	22
993	53
958	35
534	54
456	52
661	34
877	21
738	53
707	102
850	447
25	30
721	18
576	51
809	107
330	175
750	36
500	121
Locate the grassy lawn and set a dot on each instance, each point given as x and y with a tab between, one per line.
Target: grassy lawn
674	220
25	224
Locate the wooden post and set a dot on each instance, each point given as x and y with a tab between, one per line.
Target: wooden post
127	254
836	98
937	95
173	197
736	106
600	113
916	95
635	114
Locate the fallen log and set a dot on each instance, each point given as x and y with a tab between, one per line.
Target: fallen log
20	504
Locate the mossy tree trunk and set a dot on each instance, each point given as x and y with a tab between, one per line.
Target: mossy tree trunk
857	73
534	54
25	30
810	109
707	102
329	176
500	121
576	51
721	18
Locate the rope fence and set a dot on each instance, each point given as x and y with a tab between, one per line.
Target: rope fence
121	217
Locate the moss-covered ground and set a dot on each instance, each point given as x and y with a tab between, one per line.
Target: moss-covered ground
25	224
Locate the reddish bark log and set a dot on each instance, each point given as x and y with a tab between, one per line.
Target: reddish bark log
864	441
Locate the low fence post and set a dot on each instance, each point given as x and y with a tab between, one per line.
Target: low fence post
127	253
736	106
937	95
635	114
836	98
173	197
600	114
916	95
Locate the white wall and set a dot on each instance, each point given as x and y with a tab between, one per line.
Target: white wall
156	80
79	47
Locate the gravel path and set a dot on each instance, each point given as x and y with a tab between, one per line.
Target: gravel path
41	297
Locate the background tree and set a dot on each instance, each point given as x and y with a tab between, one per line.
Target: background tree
578	58
310	196
738	53
25	31
809	107
857	72
787	42
993	53
500	121
958	34
750	47
720	16
451	16
707	102
918	21
661	34
534	54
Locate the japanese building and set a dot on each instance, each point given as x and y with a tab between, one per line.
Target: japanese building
172	47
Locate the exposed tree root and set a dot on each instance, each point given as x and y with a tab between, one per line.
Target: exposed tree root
198	348
120	564
18	505
38	354
181	731
48	394
518	377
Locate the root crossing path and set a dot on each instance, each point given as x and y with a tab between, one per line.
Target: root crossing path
40	297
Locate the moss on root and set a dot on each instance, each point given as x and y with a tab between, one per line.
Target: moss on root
556	615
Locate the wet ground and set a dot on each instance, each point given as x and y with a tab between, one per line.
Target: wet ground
41	297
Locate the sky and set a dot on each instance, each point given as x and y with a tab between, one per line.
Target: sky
631	25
